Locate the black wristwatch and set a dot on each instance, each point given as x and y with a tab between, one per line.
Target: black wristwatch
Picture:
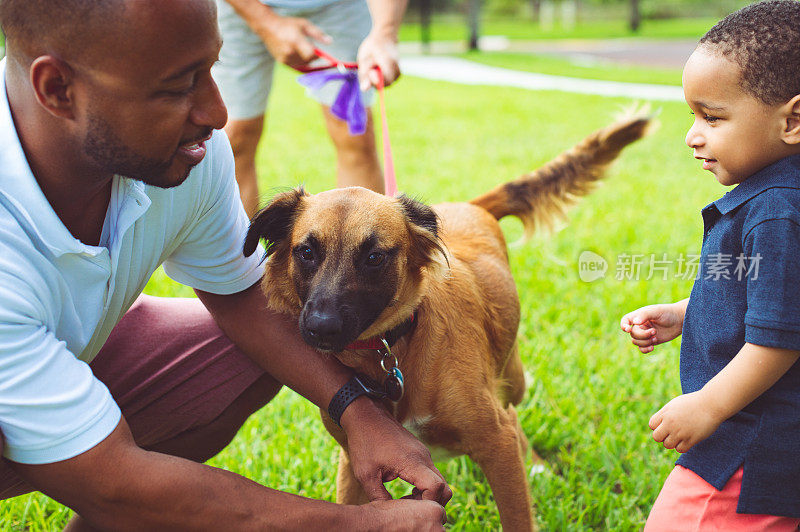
357	386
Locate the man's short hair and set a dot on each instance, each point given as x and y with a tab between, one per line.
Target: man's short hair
35	26
764	40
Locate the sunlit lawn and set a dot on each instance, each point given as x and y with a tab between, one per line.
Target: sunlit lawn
590	392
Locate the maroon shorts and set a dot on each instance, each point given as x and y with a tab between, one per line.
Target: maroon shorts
182	386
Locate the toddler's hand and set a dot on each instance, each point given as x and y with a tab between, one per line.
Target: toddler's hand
653	325
683	422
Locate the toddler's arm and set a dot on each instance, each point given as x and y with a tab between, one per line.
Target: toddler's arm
654	324
691	418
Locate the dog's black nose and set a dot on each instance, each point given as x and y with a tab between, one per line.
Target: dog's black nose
323	326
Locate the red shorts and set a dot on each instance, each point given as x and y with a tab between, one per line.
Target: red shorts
687	503
174	375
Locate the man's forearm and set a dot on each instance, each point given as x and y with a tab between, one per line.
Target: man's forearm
253	12
751	372
387	16
118	486
190	496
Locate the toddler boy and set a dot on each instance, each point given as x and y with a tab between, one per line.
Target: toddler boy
738	420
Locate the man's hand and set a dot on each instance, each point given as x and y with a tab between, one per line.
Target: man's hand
288	38
684	421
381	450
654	324
403	515
378	50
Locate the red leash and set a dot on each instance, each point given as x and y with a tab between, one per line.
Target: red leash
332	63
390	180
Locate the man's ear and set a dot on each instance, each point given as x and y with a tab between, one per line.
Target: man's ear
52	79
274	222
791	131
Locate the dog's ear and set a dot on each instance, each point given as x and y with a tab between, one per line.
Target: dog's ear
419	214
424	230
274	221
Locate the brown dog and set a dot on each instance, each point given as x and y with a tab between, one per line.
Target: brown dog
355	265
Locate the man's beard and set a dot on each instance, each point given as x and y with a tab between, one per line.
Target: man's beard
106	149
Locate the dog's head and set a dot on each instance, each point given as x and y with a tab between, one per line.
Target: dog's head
352	263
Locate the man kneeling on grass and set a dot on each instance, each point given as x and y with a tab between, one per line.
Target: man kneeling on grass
110	401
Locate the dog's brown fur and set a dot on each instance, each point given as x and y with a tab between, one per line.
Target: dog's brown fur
462	370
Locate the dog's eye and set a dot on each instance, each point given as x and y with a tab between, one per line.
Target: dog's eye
306	253
375	259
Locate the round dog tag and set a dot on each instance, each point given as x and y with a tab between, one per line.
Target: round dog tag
393	384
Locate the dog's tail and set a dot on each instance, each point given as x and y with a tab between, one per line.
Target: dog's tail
542	197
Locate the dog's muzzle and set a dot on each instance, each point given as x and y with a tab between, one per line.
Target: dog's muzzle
322	328
325	324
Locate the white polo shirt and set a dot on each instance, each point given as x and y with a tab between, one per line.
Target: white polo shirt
59	298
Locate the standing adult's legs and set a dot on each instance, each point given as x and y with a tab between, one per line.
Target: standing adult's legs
356	157
244	136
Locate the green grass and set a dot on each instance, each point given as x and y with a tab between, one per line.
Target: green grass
590	392
454	28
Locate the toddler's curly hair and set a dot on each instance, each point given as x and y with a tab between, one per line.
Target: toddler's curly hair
764	40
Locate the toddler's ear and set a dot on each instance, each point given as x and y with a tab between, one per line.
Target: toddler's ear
791	133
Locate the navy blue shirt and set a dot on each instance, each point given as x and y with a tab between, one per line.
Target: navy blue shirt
748	290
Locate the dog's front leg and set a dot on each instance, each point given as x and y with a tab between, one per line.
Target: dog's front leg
348	488
494	444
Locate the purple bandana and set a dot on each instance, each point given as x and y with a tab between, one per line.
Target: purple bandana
348	105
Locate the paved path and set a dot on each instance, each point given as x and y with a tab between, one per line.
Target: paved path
641	52
457	70
658	53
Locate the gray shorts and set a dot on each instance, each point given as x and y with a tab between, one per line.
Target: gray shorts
244	72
